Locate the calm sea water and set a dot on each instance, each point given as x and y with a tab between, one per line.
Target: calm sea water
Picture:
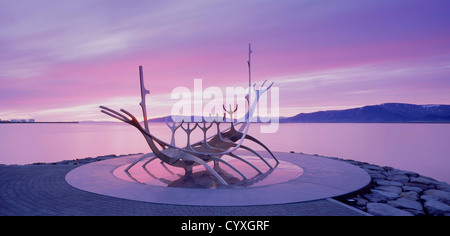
423	148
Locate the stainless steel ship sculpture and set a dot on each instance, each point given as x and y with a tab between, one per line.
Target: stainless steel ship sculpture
213	148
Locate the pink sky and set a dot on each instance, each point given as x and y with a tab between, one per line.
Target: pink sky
59	60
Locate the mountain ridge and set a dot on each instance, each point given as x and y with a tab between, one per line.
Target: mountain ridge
382	113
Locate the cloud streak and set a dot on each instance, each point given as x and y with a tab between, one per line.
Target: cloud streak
59	56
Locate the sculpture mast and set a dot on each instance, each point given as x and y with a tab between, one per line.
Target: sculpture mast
249	74
143	93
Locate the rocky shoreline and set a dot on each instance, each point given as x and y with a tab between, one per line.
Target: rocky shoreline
393	192
83	160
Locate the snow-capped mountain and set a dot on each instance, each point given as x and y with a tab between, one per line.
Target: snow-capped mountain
383	113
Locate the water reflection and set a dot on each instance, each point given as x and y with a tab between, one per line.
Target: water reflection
158	174
402	146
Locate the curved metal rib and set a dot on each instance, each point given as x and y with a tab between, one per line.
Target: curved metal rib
147	162
138	160
249	137
229	165
200	161
257	154
245	161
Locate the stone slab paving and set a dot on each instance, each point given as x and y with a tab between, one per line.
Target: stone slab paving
42	190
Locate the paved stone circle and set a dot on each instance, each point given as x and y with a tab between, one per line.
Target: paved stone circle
42	190
322	178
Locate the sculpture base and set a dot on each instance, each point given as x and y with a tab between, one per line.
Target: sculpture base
321	178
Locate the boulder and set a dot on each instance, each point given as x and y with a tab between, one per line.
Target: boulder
371	167
436	208
358	163
106	157
416	212
381	209
442	196
422	186
423	180
387	195
443	186
404	203
376	176
374	197
386	182
407	188
399	178
405	172
390	188
361	202
429	197
373	172
410	195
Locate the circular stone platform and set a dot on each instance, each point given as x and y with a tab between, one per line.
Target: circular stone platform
297	178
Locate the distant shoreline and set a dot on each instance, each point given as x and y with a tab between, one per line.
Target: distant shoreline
43	122
407	122
282	122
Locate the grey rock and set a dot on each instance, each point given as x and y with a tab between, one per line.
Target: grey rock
371	172
374	182
358	163
412	188
387	195
410	195
416	212
405	172
443	196
436	208
372	167
377	176
443	186
399	178
423	180
388	168
381	209
390	188
386	182
377	198
361	202
422	186
404	203
429	197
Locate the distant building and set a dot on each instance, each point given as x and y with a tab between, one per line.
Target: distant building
22	120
